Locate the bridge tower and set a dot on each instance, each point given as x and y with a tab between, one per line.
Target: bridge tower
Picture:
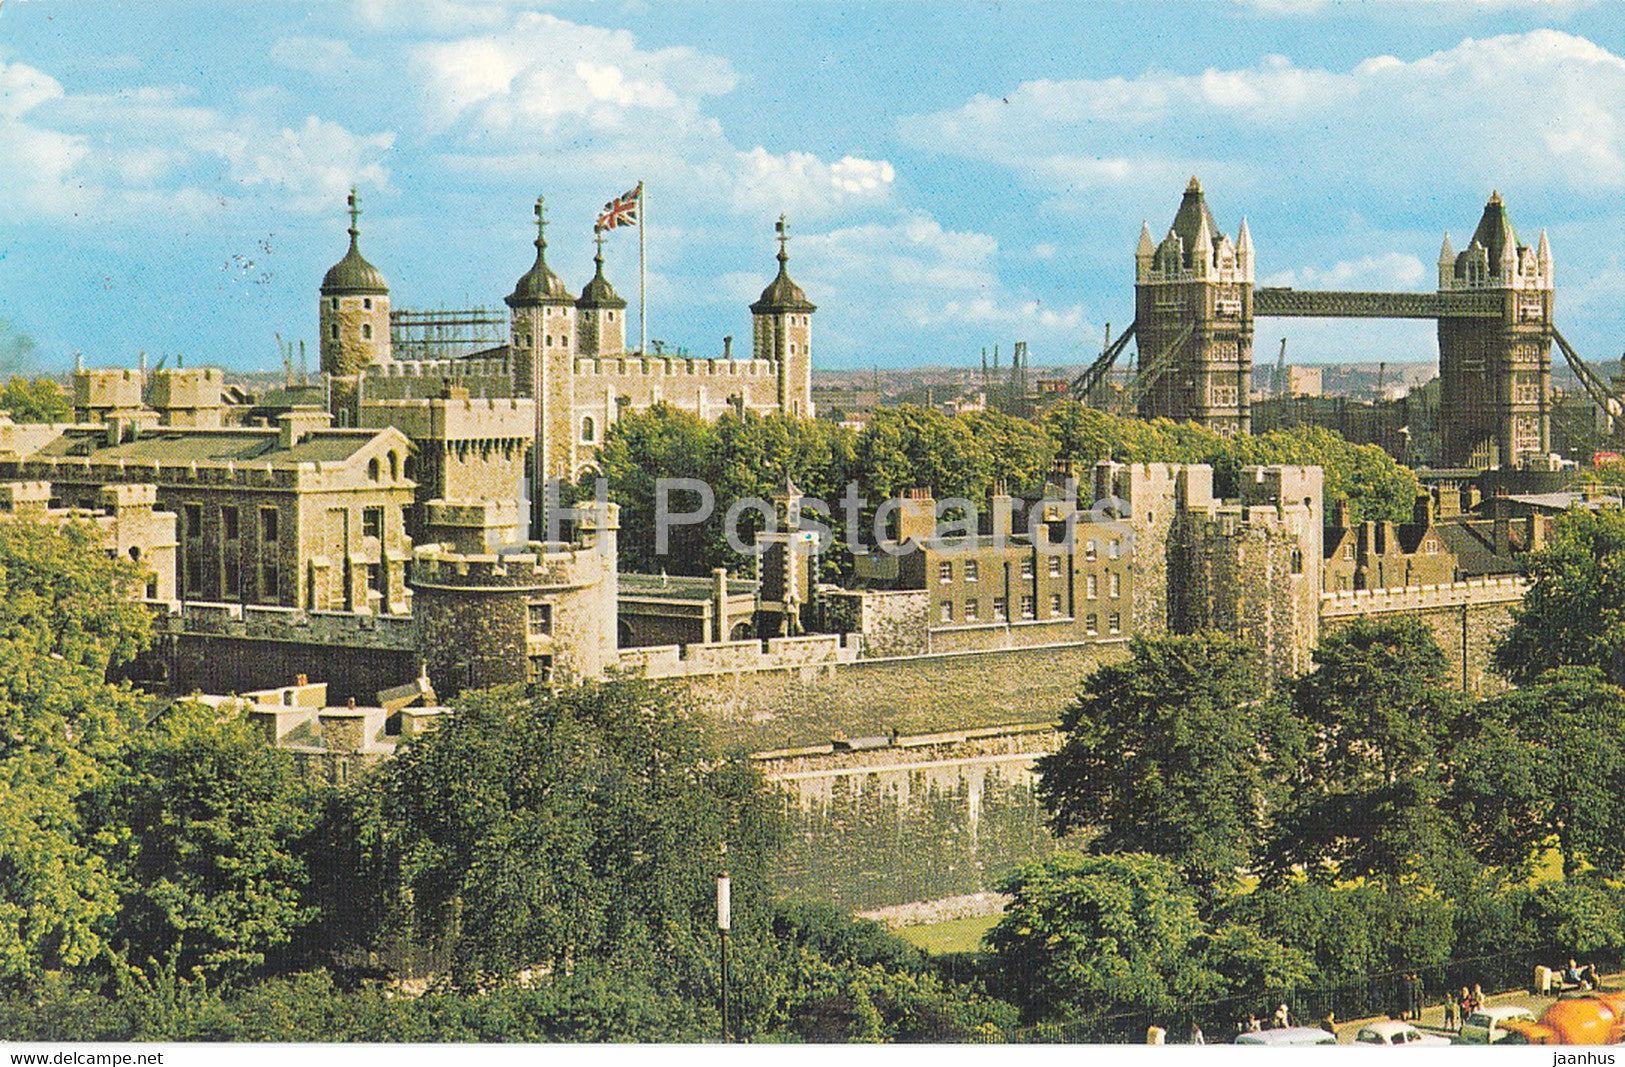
1193	300
1496	373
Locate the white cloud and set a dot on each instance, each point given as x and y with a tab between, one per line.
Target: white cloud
150	151
914	272
1389	271
325	57
1541	106
600	107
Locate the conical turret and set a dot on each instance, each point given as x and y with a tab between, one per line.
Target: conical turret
540	285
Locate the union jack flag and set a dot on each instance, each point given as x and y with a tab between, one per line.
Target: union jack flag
622	211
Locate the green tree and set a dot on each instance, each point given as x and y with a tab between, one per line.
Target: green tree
1162	755
208	825
1573	614
35	400
1086	936
1543	764
67	614
563	828
1365	795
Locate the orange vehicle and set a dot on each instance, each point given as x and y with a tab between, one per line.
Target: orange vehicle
1593	1019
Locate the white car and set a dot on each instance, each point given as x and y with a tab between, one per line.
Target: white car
1396	1034
1483	1027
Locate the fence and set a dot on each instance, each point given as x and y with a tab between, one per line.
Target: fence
1374	994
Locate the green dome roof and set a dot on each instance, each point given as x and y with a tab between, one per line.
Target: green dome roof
353	274
782	294
539	285
599	293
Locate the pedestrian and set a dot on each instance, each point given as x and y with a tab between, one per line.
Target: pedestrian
1329	1023
1253	1023
1449	1014
1478	997
1464	1004
1416	997
1197	1037
1283	1018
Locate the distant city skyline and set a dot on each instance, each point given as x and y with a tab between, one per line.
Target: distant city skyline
955	175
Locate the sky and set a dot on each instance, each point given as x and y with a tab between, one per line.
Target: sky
955	175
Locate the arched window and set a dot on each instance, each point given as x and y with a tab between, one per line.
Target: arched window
334	331
588	429
366	331
372	468
394	467
135	553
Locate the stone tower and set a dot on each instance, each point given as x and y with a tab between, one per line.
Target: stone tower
354	310
1193	299
600	314
543	314
1496	374
781	330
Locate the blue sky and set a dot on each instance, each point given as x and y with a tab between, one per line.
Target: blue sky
956	175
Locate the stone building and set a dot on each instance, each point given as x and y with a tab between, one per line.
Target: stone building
129	526
1193	301
537	613
1386	555
1496	372
299	515
567	354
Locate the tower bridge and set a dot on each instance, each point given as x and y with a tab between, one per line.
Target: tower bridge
1195	302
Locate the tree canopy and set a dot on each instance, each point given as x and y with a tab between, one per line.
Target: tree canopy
35	400
1163	755
1573	614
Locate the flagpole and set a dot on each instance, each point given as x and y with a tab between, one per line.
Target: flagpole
643	299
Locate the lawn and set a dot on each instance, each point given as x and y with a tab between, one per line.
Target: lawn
954	935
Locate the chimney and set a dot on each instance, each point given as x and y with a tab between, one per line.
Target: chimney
728	347
1003	508
917	516
719	604
300	422
1422	510
1502	534
1342	515
1535	541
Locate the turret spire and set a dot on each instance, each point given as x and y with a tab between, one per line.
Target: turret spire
355	217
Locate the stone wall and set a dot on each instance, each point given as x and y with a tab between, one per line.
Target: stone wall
920	818
1468	619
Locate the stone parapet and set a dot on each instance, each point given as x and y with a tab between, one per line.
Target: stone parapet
269	623
1354	602
733	657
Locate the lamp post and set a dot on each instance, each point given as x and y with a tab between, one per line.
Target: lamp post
724	922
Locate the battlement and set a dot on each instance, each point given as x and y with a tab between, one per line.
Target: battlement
736	657
271	623
489	367
674	367
1347	603
453	418
535	566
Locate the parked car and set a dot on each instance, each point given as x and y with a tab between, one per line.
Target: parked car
1596	1019
1485	1026
1287	1036
1395	1034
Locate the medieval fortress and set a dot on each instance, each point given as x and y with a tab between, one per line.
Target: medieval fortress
346	556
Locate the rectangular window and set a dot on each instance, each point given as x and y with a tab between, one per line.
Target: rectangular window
1091	586
1091	624
541	619
1027	567
1001	609
268	582
1348	552
1055	607
232	575
194	520
946	614
1115	582
1055	566
268	524
375	577
1090	551
1114	548
945	571
1029	607
1114	622
372	522
972	570
973	610
541	670
194	572
228	523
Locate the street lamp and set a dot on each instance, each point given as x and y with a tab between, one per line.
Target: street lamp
724	922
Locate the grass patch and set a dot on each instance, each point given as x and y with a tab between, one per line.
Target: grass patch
946	938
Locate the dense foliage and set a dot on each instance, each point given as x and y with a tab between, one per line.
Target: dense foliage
35	400
908	447
1574	612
